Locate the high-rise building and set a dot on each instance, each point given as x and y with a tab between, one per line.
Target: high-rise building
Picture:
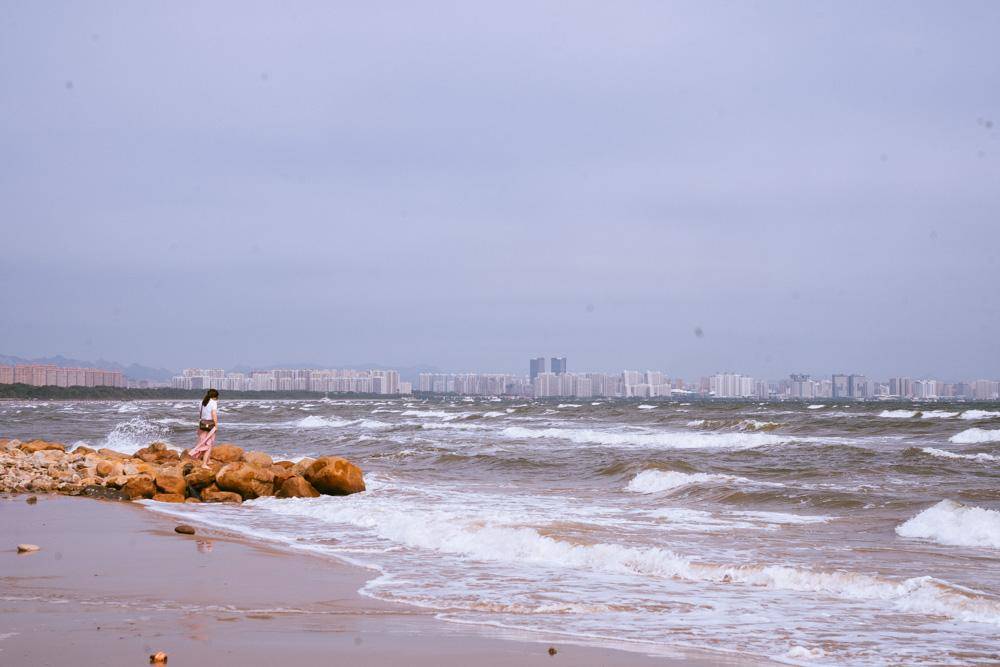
841	386
558	365
536	367
857	386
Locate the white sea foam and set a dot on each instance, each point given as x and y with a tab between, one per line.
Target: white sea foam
647	407
448	426
479	537
696	422
441	414
938	414
982	456
131	436
979	414
782	517
568	405
955	524
898	414
658	439
315	421
819	406
972	436
128	407
658	481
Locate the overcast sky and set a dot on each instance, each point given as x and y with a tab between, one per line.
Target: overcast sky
813	186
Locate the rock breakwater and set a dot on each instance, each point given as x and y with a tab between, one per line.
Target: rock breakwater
163	474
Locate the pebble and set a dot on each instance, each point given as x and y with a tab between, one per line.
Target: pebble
158	658
27	548
552	650
32	500
184	529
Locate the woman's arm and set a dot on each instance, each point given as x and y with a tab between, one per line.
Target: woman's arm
215	418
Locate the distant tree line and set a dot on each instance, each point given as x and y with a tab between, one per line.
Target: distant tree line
27	391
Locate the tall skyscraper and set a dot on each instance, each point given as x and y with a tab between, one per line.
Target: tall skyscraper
536	366
558	365
841	388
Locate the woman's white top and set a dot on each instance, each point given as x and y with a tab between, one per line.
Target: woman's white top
206	410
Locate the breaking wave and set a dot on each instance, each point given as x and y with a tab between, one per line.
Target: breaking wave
955	524
662	439
979	414
131	436
940	453
973	436
658	481
469	537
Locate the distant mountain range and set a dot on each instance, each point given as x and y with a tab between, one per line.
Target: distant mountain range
133	371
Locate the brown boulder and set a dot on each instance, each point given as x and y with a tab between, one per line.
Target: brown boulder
296	487
156	452
112	454
285	464
139	486
168	498
171	483
83	449
212	494
303	465
335	476
199	478
226	453
280	475
259	459
106	468
41	446
245	479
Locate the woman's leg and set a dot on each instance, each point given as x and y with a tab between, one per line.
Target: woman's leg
209	443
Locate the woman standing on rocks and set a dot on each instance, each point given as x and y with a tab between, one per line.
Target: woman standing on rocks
208	425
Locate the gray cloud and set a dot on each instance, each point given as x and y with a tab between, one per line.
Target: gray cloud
462	185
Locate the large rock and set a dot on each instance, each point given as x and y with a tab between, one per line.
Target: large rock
280	475
334	476
284	464
157	452
139	486
227	453
83	449
296	487
199	478
259	459
248	480
303	465
41	446
168	498
171	483
112	454
106	468
212	494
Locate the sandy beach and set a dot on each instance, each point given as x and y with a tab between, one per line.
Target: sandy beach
113	583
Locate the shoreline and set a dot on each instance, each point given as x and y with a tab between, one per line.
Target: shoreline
113	584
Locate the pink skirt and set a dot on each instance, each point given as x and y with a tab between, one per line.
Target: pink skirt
206	440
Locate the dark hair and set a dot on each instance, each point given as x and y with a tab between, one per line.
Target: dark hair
210	394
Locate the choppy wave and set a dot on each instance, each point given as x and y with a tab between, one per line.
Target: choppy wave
898	414
940	453
131	436
445	532
658	481
647	407
818	406
979	414
315	421
955	524
972	436
662	439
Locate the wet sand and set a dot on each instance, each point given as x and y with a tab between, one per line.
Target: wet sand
113	583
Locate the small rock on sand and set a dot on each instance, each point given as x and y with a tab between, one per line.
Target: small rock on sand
184	529
27	548
158	658
31	500
552	650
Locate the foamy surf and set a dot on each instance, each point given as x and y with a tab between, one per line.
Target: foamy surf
662	439
955	524
660	481
941	453
974	436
